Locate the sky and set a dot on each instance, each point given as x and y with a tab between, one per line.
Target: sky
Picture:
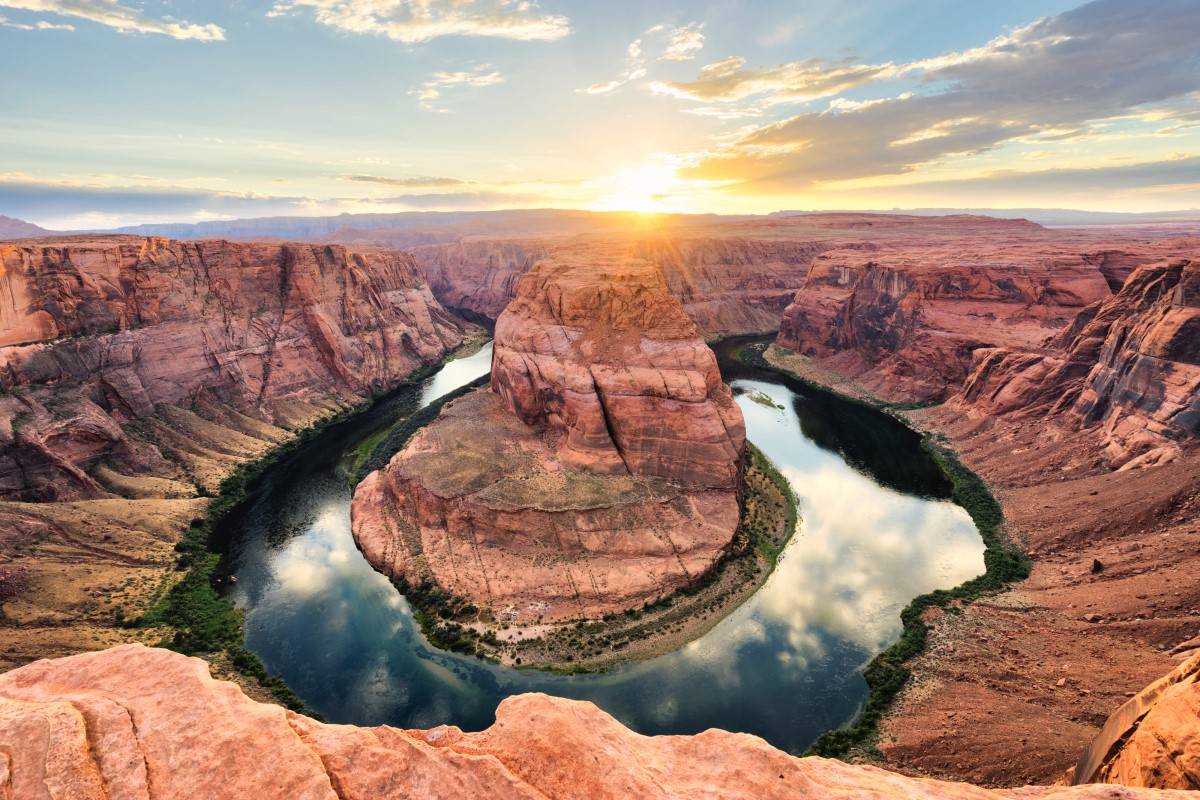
127	111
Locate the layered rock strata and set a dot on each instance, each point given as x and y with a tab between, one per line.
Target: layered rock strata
138	373
133	722
599	472
1152	740
728	285
99	334
1128	367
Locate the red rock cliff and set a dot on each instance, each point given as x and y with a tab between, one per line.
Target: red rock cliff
600	472
100	333
132	722
595	347
1128	367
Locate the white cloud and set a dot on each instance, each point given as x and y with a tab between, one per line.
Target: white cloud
415	21
685	43
1052	79
431	90
40	25
681	45
116	16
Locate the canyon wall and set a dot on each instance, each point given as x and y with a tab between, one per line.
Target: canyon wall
1128	367
479	276
600	471
98	335
133	722
136	374
728	285
903	311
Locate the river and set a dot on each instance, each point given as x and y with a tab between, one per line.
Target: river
876	530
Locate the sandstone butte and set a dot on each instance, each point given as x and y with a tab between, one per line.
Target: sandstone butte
601	469
133	723
136	373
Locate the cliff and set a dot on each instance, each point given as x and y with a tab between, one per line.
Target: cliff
107	340
1127	367
138	373
728	285
133	722
600	472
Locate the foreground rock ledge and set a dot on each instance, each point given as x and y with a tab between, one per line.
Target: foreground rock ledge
600	472
134	722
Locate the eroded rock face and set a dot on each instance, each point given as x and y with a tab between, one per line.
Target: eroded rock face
1154	739
100	333
133	722
910	326
479	276
727	285
1128	366
600	471
599	351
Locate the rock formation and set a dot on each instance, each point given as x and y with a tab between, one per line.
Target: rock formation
904	310
100	334
1129	366
137	374
601	470
478	276
133	722
728	285
1154	739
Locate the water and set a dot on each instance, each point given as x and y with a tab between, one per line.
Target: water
786	665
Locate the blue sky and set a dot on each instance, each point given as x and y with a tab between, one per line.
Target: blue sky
121	111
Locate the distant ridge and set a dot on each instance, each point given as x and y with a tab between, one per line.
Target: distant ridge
11	228
1065	217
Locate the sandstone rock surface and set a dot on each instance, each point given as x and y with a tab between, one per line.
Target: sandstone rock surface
600	472
138	373
1154	739
728	285
98	333
904	312
133	722
1128	367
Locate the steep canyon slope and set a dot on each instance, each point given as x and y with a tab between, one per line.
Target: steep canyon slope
1089	438
599	472
137	373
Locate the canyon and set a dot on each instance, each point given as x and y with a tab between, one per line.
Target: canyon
599	471
138	373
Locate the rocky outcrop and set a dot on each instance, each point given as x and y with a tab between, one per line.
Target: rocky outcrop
732	285
909	326
600	472
107	339
595	348
1154	739
728	285
1128	367
133	722
479	276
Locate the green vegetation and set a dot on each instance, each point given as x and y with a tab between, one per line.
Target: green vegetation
377	450
1004	564
768	520
201	620
763	399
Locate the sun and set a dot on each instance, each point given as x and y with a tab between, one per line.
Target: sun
646	189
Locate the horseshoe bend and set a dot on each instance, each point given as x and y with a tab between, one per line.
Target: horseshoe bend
599	471
557	400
